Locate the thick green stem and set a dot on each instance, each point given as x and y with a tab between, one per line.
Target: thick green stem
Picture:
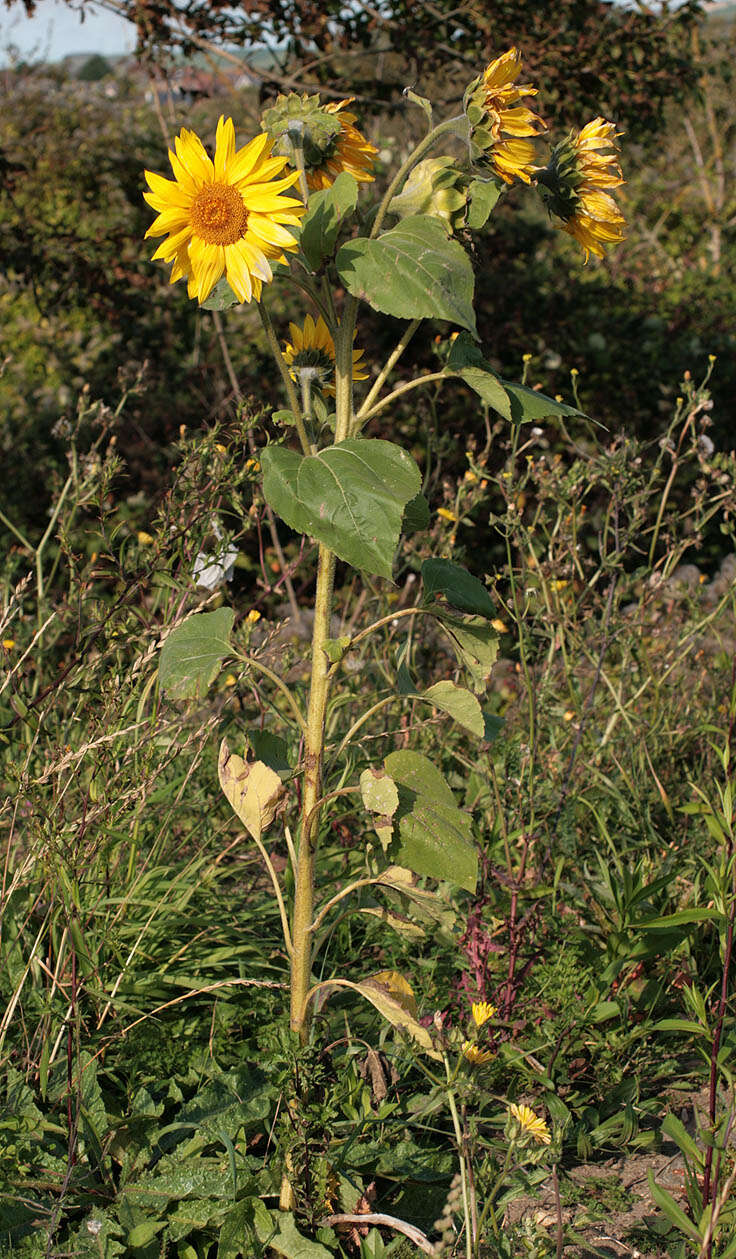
301	962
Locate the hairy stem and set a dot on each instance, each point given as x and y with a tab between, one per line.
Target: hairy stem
301	962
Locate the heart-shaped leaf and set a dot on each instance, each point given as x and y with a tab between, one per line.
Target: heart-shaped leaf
413	271
351	497
193	652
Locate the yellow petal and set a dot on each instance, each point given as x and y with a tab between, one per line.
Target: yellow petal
245	159
224	146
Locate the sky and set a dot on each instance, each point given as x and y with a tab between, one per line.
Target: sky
56	30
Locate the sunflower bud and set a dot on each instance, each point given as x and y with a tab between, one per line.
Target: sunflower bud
435	187
299	124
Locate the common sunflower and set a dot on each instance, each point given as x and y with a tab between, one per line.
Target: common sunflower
223	217
312	346
501	126
351	152
576	186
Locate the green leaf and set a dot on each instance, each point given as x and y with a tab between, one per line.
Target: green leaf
416	515
461	705
466	361
221	297
192	653
679	919
351	497
674	1213
335	649
482	197
676	1130
290	1242
528	404
412	271
143	1233
271	749
476	646
245	1230
493	725
516	403
325	213
435	836
488	387
458	586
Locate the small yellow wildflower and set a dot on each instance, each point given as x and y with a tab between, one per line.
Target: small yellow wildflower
531	1123
231	680
446	514
8	644
568	715
253	616
558	585
500	626
144	538
474	1054
482	1011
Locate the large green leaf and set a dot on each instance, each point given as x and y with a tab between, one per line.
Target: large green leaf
459	587
325	213
193	652
351	497
435	836
412	271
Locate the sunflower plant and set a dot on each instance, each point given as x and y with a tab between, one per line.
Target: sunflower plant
282	209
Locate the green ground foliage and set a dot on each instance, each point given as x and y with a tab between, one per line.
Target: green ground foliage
144	1032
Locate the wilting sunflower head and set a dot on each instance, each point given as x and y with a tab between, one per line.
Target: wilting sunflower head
329	142
501	126
575	186
223	217
312	347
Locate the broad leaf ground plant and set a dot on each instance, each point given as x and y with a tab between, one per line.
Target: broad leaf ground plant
471	933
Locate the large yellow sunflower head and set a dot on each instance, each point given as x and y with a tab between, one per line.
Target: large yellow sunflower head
226	216
576	185
313	348
326	135
501	125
